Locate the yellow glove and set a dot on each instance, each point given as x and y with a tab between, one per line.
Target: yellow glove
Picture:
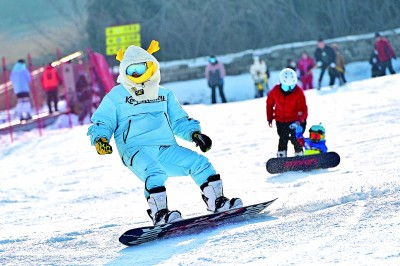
102	146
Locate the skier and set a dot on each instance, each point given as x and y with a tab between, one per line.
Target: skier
315	144
385	54
340	65
145	118
326	58
290	63
374	62
286	104
259	73
20	80
50	80
84	96
305	66
215	74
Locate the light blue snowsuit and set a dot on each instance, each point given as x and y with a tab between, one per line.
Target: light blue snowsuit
20	78
144	133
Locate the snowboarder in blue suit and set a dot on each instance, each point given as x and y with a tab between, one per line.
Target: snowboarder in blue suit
144	119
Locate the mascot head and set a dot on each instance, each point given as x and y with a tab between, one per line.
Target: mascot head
139	71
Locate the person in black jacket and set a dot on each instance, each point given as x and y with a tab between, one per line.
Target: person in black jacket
374	62
325	57
84	95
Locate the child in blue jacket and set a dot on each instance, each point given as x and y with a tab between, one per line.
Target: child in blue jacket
316	143
144	119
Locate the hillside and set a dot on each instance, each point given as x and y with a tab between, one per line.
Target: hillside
63	204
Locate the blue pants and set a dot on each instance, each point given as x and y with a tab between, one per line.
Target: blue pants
153	165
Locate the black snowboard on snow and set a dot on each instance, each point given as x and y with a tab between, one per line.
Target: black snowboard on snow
303	163
145	234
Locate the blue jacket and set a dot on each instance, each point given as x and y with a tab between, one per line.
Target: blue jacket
141	123
311	145
20	78
307	143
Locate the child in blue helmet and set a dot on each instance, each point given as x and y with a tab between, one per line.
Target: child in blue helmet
315	144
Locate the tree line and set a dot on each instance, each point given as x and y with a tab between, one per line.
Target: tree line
192	28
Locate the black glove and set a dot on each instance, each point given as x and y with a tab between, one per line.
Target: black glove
102	146
202	140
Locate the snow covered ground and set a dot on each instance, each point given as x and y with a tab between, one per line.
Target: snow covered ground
62	204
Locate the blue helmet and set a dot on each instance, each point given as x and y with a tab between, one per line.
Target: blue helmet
317	130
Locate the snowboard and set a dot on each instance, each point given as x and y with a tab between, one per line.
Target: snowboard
145	234
303	163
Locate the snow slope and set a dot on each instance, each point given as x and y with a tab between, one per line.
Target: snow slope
62	204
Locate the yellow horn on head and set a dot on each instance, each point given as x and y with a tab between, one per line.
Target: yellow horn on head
153	47
120	55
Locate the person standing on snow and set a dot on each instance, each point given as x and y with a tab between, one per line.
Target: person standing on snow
325	57
305	66
50	81
290	63
144	119
374	62
84	96
20	80
215	74
286	104
340	65
385	54
259	73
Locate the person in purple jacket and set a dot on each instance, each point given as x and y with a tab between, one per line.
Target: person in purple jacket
215	73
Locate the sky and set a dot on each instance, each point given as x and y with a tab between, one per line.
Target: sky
63	204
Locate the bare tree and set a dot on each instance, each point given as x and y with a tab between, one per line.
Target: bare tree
193	28
72	37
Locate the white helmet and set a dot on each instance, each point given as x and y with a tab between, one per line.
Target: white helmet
288	77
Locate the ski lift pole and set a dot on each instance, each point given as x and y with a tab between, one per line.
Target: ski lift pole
35	102
10	129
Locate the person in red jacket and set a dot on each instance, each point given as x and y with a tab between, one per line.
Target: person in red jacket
50	81
286	104
385	54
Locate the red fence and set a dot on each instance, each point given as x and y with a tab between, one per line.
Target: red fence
96	70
